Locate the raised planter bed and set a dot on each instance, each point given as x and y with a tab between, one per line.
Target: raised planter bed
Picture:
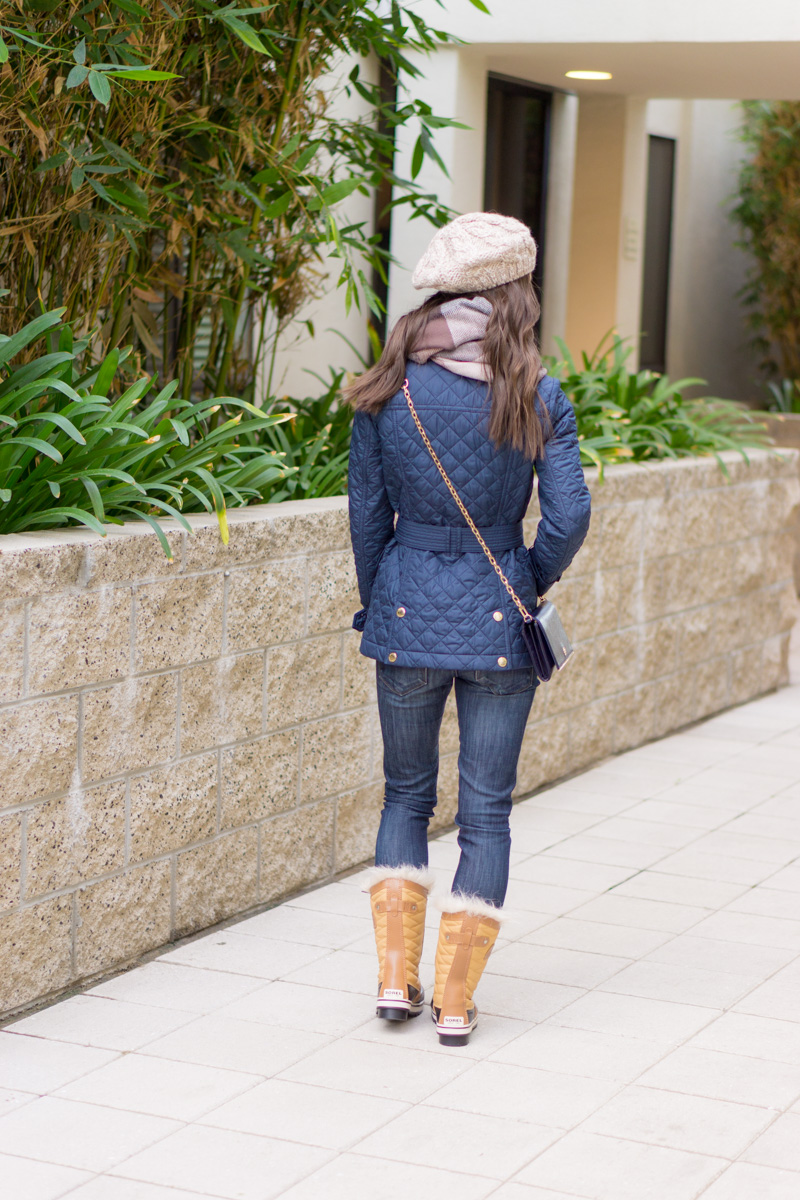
184	742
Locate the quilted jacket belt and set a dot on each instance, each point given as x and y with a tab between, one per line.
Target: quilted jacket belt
457	539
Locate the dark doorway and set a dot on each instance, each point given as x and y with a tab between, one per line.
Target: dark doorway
657	248
387	82
517	137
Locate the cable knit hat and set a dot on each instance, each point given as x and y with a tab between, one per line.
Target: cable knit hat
475	252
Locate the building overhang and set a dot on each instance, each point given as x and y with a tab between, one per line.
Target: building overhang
667	70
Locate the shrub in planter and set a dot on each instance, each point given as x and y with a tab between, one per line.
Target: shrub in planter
626	416
71	452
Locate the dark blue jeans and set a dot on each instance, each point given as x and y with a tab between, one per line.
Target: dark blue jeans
493	708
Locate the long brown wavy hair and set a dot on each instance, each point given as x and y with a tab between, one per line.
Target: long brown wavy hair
518	416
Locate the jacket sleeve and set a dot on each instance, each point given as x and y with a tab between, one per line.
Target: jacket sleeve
371	514
564	498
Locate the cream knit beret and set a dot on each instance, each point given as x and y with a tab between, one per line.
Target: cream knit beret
475	252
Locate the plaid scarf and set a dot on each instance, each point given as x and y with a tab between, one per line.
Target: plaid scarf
453	337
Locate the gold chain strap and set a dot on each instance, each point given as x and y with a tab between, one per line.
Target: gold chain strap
526	616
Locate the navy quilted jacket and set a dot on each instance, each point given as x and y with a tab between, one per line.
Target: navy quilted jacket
439	609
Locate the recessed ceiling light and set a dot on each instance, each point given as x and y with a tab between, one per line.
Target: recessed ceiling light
589	75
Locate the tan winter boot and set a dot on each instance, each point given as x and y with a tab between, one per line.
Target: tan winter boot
466	938
398	898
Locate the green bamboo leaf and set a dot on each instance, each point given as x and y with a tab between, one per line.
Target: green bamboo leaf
417	158
144	74
3	50
76	76
55	488
278	207
100	88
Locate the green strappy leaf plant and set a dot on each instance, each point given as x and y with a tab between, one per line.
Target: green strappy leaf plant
73	452
640	416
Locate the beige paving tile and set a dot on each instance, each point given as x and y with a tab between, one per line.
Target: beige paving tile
342	899
544	897
613	909
458	1141
523	999
687	985
528	814
611	852
765	901
352	1175
606	1168
551	964
390	1072
162	1087
220	1162
746	1180
220	1041
106	1187
668	811
771	759
778	997
711	954
761	1037
418	1034
633	1016
699	864
36	1064
86	1136
520	1191
97	1021
305	927
550	1047
788	879
598	937
779	1145
680	1121
744	927
261	957
24	1177
506	1091
679	889
761	823
746	845
300	1006
725	1077
340	969
669	835
10	1100
567	872
682	748
299	1112
163	984
578	795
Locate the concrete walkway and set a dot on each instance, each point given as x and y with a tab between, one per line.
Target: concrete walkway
640	1030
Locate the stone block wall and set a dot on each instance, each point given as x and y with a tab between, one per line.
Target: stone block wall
184	741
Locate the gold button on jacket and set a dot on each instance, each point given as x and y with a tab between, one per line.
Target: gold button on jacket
501	662
393	657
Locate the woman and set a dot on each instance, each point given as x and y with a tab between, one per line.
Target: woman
436	613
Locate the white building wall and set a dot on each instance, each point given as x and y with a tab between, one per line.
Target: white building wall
300	356
707	332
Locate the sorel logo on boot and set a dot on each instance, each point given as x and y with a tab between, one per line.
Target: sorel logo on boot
392	994
453	1021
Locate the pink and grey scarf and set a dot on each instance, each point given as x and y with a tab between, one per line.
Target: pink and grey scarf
453	338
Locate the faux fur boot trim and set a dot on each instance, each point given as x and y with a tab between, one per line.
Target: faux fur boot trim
473	906
419	875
